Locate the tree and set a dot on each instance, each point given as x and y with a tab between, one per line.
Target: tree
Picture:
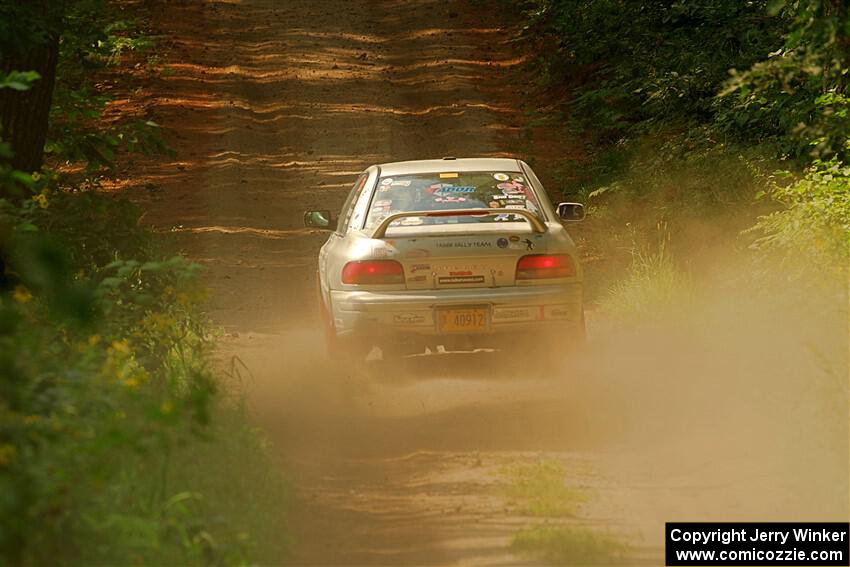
29	41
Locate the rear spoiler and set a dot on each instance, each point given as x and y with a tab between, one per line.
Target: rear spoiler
535	222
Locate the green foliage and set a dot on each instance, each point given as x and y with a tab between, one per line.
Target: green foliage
653	284
650	67
646	64
570	545
93	39
539	489
797	94
814	221
25	25
688	104
18	80
106	388
95	385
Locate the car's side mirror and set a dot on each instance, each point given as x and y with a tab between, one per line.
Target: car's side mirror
571	211
319	219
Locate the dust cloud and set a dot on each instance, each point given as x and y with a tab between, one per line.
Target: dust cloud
731	405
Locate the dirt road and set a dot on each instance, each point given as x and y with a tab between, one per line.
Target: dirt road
277	106
273	108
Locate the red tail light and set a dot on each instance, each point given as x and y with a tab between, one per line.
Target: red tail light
537	266
371	272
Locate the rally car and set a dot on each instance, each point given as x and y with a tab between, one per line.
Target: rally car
449	253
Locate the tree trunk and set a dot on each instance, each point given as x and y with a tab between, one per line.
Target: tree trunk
24	115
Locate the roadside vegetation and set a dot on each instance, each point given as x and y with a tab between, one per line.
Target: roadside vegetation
120	441
537	490
726	122
715	162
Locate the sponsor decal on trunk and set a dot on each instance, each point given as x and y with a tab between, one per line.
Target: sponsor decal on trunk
513	314
475	244
408	319
417	253
460	279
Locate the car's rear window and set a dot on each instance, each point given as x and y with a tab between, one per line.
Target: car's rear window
451	190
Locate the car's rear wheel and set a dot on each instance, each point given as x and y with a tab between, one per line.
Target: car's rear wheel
344	353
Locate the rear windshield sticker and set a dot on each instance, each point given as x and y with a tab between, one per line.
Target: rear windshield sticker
457	189
452	190
511	187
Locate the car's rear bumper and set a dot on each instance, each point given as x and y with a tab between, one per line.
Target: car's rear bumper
509	309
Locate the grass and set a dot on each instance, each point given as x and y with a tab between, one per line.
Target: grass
653	281
539	490
244	496
570	545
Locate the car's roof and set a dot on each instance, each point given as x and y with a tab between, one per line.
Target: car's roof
449	164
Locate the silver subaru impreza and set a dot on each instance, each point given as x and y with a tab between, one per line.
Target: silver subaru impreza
450	253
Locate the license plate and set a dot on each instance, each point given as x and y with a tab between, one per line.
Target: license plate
464	320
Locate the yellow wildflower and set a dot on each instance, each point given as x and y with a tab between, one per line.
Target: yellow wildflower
94	340
41	199
121	346
132	382
21	294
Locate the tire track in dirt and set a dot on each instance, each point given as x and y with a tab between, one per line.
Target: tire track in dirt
277	107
